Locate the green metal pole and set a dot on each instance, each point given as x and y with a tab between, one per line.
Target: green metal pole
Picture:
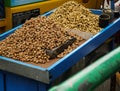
93	75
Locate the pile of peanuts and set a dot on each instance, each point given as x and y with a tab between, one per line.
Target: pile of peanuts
30	42
73	15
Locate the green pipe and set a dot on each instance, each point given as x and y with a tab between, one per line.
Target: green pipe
92	76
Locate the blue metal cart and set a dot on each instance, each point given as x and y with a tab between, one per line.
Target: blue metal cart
20	76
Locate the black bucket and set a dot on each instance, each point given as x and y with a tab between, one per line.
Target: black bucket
116	14
104	20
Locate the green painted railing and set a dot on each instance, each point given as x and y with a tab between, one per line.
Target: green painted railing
92	76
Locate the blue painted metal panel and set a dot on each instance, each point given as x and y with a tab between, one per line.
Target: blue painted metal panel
19	83
43	87
22	63
24	69
96	11
68	61
1	81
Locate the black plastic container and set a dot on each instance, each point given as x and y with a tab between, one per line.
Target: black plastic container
116	14
104	20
